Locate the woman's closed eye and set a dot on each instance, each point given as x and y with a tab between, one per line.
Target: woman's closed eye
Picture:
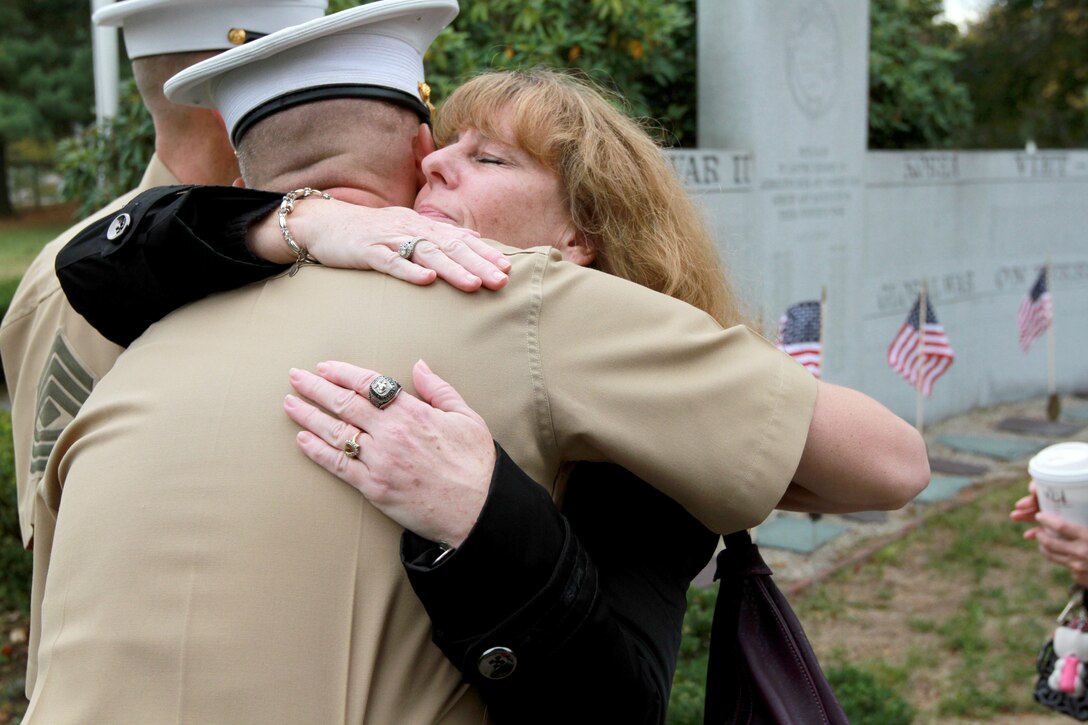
489	159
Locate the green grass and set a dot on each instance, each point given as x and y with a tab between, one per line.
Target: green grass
962	605
20	243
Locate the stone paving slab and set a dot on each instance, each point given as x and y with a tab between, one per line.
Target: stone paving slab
942	488
801	535
794	569
1040	426
867	517
1005	449
1075	412
956	468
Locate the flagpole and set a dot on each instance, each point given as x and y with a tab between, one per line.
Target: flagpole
1053	403
814	518
923	309
823	321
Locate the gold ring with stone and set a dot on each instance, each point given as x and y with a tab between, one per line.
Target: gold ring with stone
351	447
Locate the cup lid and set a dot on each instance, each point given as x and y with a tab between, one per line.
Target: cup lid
1061	463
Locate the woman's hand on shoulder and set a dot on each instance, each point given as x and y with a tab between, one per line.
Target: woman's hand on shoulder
425	462
349	236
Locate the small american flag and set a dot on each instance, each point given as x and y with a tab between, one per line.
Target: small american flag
904	352
1036	312
799	334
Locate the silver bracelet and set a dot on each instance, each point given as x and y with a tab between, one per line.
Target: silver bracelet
286	207
444	552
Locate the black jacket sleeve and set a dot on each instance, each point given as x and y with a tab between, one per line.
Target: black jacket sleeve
169	246
526	614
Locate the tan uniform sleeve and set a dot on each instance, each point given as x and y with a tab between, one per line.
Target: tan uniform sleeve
717	419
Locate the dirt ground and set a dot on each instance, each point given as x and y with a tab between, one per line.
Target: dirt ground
886	601
907	591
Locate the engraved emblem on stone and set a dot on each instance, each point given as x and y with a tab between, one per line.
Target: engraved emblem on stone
118	226
813	57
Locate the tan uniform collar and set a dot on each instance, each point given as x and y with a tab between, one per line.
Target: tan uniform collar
157	174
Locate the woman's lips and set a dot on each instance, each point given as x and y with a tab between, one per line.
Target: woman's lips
438	215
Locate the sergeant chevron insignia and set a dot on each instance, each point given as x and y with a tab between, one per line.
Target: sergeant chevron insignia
62	390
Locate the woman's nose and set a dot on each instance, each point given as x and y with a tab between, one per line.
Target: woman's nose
437	167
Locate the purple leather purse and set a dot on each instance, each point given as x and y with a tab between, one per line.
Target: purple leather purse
762	669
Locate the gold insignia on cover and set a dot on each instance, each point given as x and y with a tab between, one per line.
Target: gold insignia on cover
425	96
236	36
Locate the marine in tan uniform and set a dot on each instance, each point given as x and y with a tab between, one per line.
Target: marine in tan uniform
205	571
52	358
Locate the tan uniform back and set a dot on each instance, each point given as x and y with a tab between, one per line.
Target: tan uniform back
205	572
52	360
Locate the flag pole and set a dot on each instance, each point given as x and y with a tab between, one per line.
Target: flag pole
1053	403
815	517
923	309
823	321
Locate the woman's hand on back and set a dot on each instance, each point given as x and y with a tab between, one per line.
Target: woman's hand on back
348	236
425	462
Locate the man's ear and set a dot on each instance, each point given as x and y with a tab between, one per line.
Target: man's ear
239	183
576	249
422	145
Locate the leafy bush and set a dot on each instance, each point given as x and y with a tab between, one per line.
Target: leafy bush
915	100
14	559
103	162
867	700
642	49
7	291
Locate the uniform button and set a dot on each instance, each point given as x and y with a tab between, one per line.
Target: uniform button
497	663
118	226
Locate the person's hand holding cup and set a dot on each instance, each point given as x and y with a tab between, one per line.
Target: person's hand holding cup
1058	502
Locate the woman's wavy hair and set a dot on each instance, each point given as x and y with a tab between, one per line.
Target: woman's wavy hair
623	194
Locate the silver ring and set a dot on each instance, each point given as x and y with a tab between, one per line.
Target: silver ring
383	390
351	447
408	248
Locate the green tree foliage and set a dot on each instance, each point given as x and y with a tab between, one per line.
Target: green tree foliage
919	76
642	49
1026	64
915	100
45	64
103	162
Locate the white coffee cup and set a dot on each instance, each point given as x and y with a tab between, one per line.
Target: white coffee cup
1060	473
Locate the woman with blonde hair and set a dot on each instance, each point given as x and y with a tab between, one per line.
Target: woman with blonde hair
623	196
585	606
